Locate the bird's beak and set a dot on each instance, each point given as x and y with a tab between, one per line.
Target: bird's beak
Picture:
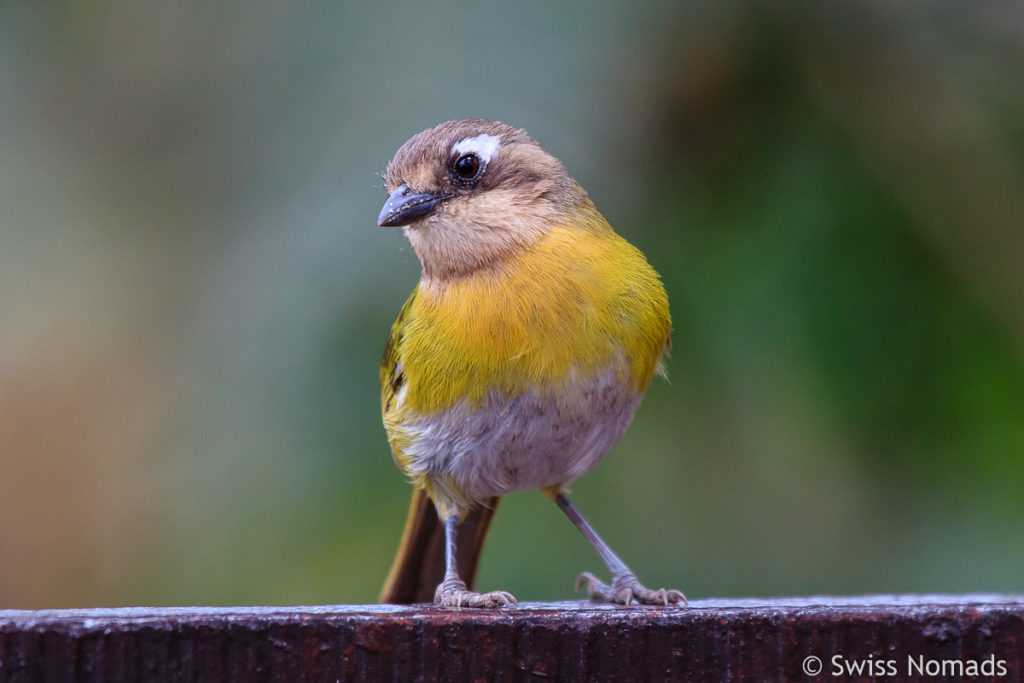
404	206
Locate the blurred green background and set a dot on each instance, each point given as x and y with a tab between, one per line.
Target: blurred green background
195	296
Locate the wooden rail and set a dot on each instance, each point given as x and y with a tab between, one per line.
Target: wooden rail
944	637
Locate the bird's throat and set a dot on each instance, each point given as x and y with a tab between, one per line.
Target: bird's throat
468	238
453	250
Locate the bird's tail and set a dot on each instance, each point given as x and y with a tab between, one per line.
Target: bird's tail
419	564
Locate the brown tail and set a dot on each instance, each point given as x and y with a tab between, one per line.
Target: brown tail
419	564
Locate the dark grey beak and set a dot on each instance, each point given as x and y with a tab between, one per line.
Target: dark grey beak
405	206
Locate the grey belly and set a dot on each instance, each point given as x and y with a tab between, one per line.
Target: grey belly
523	442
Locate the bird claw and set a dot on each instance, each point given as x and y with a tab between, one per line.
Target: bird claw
625	588
452	592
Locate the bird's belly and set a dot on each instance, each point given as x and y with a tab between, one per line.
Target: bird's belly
468	454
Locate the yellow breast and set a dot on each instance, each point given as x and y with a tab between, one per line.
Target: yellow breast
579	300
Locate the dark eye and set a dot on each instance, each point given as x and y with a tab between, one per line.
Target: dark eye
467	167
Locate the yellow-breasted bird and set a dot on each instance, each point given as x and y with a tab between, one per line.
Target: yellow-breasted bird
518	360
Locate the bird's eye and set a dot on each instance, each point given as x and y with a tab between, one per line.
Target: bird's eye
467	167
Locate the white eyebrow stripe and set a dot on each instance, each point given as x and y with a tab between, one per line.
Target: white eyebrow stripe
483	145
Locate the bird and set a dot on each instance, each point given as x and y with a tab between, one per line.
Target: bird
518	360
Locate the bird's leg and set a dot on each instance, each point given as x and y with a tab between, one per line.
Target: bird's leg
452	591
625	588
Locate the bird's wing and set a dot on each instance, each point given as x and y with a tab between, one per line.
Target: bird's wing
391	373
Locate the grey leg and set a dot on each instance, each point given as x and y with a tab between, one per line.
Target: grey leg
452	591
625	588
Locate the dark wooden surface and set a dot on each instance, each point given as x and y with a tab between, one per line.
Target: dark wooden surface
711	640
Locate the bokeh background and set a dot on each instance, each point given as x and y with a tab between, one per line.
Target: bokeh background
194	295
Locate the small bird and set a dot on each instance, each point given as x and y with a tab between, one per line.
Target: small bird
518	360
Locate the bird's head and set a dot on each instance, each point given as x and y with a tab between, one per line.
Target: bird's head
471	193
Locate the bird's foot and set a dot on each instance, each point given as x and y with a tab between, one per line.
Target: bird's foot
626	588
452	592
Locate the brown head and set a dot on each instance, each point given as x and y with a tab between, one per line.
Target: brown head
471	193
